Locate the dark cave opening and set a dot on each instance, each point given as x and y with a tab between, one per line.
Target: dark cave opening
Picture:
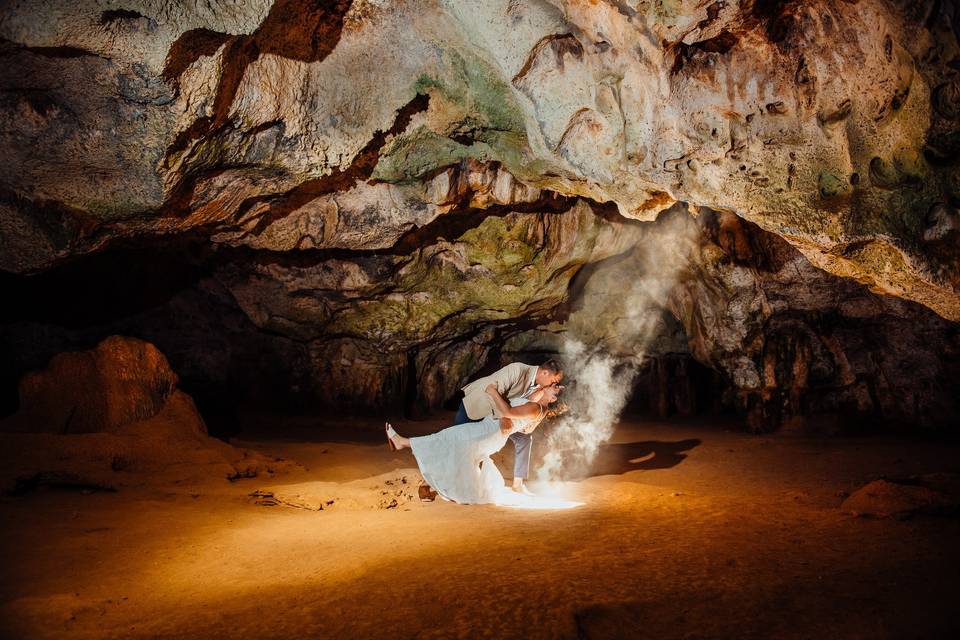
675	385
131	288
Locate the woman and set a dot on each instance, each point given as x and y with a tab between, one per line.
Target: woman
456	461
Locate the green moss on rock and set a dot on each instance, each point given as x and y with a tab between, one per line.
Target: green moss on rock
483	105
471	83
410	157
507	267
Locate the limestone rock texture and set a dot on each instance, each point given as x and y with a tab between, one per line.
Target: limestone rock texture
798	348
375	199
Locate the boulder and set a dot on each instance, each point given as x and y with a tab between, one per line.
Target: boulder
931	494
121	381
134	427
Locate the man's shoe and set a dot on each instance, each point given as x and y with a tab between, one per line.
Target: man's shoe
522	488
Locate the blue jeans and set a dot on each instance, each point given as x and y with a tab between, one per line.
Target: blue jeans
522	445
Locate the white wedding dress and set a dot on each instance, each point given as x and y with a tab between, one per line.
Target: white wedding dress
456	463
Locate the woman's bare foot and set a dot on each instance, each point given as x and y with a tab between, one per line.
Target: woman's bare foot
390	442
394	439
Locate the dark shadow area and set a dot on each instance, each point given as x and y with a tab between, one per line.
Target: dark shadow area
334	429
849	606
611	458
130	277
676	385
162	294
617	459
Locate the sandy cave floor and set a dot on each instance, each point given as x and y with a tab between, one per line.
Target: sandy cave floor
689	531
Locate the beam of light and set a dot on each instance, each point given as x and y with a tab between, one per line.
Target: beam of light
520	501
546	495
554	504
601	381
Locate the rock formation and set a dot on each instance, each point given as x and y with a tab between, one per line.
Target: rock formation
796	347
927	494
370	201
113	417
121	381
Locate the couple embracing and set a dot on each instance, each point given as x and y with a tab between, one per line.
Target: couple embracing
506	405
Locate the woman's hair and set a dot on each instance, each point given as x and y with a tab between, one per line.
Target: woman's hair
558	408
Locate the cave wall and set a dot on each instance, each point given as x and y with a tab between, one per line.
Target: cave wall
358	331
223	361
824	352
715	313
793	347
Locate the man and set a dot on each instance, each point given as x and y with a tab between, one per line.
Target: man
516	380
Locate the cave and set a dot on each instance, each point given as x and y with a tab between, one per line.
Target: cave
513	318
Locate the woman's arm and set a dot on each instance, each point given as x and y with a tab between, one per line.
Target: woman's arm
523	411
545	393
537	395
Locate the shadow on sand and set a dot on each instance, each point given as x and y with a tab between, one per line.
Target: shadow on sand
616	459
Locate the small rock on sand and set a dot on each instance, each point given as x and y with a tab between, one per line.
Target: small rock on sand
931	494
